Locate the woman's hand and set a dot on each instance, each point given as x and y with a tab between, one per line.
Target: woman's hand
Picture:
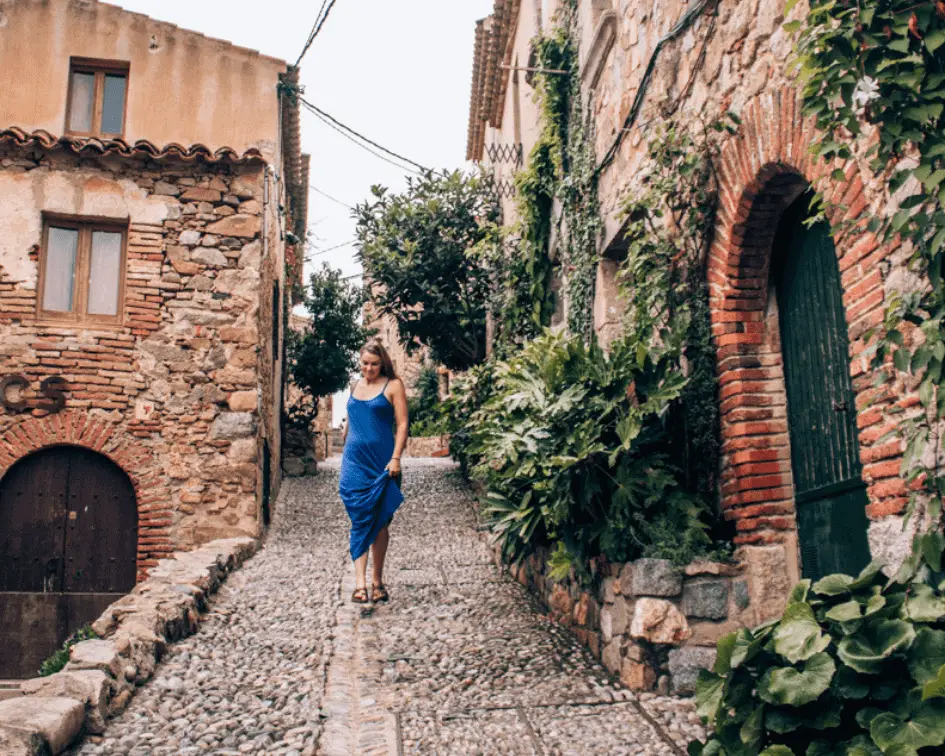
393	467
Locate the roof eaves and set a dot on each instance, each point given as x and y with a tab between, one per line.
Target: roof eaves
121	148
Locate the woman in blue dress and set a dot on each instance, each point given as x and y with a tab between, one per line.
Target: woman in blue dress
375	437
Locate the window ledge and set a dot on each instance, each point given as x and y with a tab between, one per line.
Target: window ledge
604	37
77	325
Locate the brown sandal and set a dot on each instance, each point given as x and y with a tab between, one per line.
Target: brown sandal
379	593
359	596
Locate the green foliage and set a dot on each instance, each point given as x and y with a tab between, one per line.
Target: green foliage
321	359
469	394
855	666
561	165
670	217
427	412
417	249
569	446
879	65
60	658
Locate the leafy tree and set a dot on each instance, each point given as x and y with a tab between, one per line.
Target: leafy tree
417	250
322	358
427	412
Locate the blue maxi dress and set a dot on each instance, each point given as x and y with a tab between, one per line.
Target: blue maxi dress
369	493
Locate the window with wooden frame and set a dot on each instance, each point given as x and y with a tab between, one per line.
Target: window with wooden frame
98	94
82	270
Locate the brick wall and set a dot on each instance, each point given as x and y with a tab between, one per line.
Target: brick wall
736	56
176	394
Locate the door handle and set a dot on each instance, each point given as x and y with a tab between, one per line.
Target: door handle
840	405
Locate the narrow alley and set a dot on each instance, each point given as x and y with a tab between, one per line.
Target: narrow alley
461	661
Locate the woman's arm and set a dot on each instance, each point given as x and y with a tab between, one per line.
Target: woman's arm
398	398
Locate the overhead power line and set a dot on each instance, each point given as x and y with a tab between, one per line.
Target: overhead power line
354	136
320	20
320	252
328	196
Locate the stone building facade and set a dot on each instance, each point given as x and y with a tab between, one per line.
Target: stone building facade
145	261
705	59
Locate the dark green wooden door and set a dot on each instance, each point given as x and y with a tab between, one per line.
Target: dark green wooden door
830	495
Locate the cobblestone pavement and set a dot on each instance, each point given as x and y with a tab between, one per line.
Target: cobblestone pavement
461	661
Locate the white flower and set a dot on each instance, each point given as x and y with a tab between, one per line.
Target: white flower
866	90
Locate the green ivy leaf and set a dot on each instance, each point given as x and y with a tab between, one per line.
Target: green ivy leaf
935	688
787	685
752	732
868	649
833	585
710	689
799	637
924	604
925	728
927	655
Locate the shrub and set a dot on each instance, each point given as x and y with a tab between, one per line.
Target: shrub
571	448
60	658
854	667
427	417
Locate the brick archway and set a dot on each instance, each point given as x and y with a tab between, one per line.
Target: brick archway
75	428
763	169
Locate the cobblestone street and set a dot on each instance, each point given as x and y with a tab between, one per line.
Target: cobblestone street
461	661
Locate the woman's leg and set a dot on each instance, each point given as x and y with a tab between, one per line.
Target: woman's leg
360	571
378	552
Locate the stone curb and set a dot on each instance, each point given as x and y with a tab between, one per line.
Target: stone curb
101	675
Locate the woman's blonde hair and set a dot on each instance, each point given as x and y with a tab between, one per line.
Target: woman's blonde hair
376	348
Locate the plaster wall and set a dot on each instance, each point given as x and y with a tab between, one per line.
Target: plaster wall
183	87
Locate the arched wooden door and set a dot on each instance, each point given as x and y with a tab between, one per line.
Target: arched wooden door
829	492
68	547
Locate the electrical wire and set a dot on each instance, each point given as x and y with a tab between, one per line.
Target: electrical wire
320	252
684	23
328	196
320	20
354	134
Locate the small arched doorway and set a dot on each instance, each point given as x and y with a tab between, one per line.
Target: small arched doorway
68	549
829	492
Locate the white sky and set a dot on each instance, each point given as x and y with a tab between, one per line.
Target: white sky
397	71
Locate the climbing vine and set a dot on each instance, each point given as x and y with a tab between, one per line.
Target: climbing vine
561	166
670	215
876	69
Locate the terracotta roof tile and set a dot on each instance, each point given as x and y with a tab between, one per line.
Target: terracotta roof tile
141	148
493	47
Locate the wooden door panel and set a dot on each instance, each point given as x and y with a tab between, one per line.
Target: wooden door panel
101	530
821	409
34	625
33	511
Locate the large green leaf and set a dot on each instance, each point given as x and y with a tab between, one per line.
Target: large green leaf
927	655
823	715
924	604
833	585
799	637
777	750
935	688
710	688
787	685
748	644
868	649
925	728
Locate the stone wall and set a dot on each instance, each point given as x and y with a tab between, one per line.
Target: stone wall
734	56
48	714
650	623
177	392
429	446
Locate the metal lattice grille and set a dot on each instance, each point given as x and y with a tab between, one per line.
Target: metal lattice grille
505	153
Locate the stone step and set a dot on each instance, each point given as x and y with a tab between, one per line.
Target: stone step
10	689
